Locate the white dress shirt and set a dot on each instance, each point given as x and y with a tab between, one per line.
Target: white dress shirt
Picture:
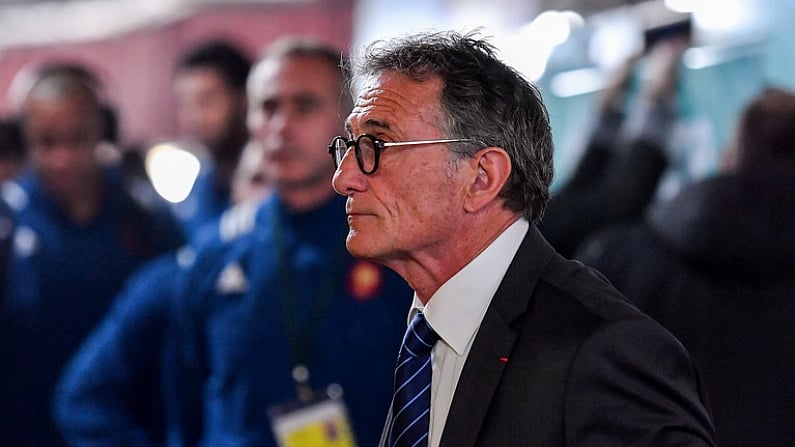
455	312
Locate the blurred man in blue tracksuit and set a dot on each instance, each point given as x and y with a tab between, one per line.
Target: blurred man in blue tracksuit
78	236
273	292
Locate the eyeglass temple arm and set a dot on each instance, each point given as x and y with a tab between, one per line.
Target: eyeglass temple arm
411	143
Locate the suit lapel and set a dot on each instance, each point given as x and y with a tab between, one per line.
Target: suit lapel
493	344
385	431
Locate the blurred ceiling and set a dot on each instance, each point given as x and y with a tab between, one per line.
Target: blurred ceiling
584	7
21	20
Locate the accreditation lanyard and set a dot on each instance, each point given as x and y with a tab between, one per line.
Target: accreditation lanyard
301	342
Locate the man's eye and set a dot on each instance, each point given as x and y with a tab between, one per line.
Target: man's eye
307	106
269	108
45	142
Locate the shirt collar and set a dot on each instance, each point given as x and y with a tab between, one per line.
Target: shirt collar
457	308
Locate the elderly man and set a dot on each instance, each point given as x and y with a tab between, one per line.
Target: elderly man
446	169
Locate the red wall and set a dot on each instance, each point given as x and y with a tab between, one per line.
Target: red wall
136	68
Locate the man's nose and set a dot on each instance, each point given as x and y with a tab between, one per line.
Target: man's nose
348	178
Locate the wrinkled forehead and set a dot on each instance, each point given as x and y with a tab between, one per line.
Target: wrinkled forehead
395	101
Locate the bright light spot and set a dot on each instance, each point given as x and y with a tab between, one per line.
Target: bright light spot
613	41
721	15
577	82
520	52
172	171
698	58
550	28
681	5
576	21
528	50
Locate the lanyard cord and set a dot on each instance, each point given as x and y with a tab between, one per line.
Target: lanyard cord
300	343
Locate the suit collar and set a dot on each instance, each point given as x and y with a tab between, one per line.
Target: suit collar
492	347
456	309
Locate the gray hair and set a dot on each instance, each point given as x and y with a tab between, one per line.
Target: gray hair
484	99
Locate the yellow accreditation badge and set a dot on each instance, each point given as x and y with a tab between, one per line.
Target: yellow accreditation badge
316	419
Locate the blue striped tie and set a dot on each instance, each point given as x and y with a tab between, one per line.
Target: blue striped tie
411	404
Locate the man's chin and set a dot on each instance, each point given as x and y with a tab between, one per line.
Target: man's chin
357	246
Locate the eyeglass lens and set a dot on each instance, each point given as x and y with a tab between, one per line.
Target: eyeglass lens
366	153
340	147
364	150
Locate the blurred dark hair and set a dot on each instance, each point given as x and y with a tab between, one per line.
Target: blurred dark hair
220	55
75	77
766	133
485	100
68	77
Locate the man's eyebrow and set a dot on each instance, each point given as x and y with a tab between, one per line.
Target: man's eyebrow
370	124
306	96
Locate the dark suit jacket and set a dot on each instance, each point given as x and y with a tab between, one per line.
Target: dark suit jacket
585	367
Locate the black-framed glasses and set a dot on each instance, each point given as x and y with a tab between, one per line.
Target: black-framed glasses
367	149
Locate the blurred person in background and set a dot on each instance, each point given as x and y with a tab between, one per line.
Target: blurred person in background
716	266
626	156
12	161
270	291
249	180
12	149
269	319
210	89
78	236
111	392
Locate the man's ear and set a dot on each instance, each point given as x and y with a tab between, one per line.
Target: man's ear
492	167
